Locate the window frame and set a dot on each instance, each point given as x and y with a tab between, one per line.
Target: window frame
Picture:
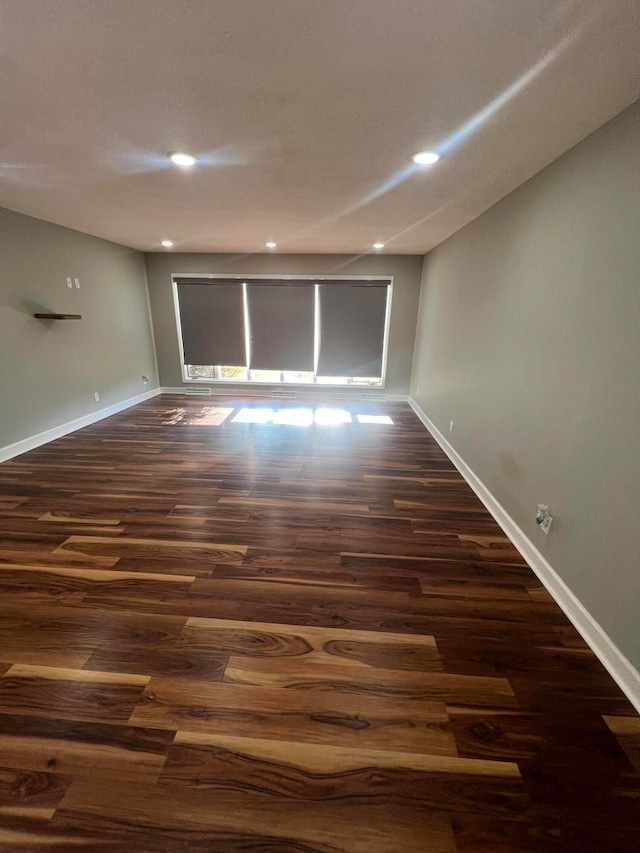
312	279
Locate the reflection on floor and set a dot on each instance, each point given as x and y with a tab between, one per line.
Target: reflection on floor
206	416
289	416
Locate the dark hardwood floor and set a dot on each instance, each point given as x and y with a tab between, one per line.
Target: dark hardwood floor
227	636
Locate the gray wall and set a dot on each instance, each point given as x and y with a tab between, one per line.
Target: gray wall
406	270
529	339
50	369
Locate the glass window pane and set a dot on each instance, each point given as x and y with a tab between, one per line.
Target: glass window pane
332	380
200	371
265	375
237	373
298	376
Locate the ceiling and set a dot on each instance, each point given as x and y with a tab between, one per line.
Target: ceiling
303	114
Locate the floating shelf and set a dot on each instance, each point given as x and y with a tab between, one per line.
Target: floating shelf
58	316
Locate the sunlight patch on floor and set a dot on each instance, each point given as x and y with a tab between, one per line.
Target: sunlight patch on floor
293	417
374	419
207	416
289	416
253	416
329	417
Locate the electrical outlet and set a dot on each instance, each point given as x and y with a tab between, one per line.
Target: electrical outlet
145	379
69	282
77	281
450	426
96	396
544	519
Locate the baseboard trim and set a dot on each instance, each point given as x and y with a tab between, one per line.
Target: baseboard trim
614	661
48	435
303	396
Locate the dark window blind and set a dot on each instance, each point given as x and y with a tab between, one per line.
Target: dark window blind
352	329
212	322
281	319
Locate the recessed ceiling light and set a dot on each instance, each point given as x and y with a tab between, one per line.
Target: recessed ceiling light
271	245
182	159
167	244
378	245
425	158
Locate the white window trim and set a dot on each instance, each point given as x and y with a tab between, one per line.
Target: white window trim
311	279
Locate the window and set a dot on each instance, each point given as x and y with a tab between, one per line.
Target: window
303	331
201	371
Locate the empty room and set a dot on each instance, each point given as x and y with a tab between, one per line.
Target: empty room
319	426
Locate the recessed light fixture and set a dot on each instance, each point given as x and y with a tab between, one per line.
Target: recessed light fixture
182	159
271	245
378	245
167	244
425	158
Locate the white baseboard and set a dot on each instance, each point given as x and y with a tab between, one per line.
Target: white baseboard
614	661
306	395
48	435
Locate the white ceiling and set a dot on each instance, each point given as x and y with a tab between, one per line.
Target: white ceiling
303	113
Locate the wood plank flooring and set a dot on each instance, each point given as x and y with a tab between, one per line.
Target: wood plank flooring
227	636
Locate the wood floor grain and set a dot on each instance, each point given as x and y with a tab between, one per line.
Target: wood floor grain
223	636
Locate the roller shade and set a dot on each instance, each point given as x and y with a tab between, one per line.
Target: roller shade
352	329
281	319
212	322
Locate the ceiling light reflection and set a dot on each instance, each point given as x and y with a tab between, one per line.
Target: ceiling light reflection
500	101
425	158
182	159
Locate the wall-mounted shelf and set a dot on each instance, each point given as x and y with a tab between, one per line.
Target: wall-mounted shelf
58	316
